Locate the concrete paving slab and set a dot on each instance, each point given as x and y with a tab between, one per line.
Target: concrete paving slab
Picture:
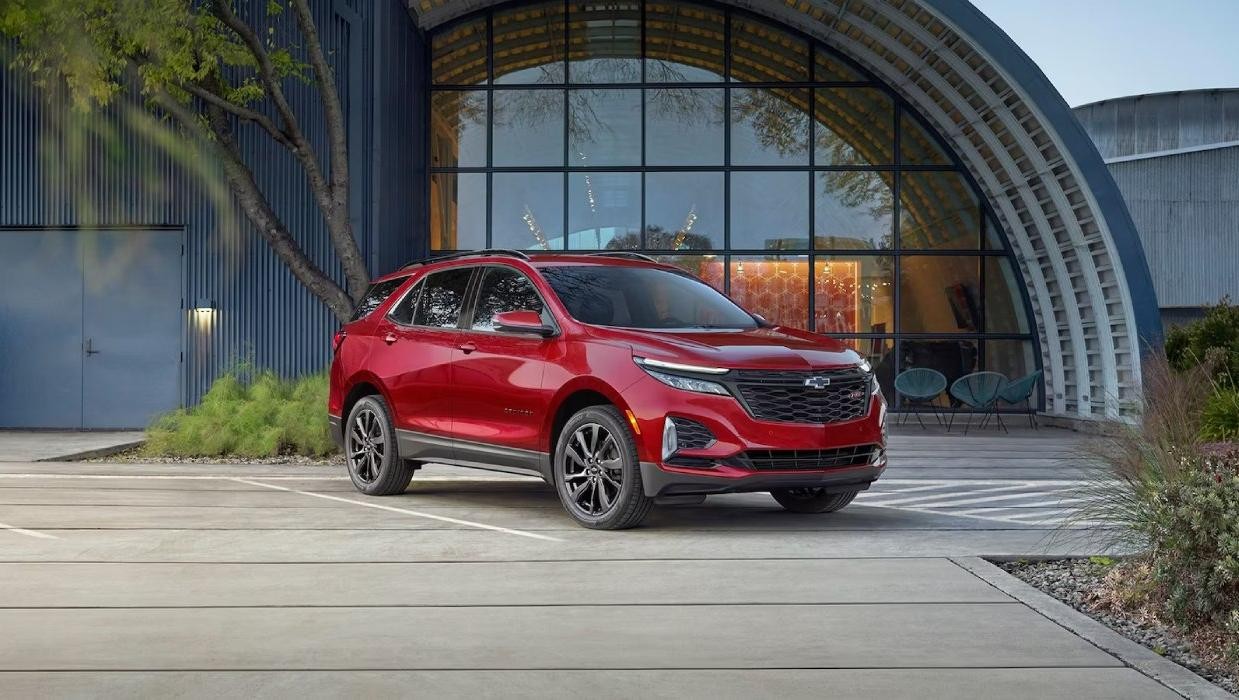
583	637
714	684
667	582
36	445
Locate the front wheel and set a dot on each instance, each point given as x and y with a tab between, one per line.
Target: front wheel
596	471
812	500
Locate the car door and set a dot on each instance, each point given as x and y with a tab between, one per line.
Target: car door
414	348
497	375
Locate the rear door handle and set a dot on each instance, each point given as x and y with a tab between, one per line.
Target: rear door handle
467	347
390	338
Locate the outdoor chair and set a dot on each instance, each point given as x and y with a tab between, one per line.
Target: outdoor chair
979	391
1021	391
920	386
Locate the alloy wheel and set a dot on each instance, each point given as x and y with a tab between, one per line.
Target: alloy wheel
366	445
593	470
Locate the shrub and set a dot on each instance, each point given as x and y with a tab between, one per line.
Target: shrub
1220	418
1212	340
265	416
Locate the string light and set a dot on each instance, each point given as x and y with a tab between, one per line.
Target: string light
534	228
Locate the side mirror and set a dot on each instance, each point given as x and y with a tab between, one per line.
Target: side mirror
522	322
761	320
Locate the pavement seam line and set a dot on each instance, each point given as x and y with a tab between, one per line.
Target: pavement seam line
28	533
404	511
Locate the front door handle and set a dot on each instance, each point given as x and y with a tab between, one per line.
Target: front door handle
90	347
390	338
467	347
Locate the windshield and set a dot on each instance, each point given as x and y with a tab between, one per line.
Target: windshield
643	297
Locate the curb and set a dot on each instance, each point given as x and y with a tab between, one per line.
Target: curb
1170	674
95	453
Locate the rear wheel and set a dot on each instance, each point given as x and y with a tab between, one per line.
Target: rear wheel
812	500
596	471
370	450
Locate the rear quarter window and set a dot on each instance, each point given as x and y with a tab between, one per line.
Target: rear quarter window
375	295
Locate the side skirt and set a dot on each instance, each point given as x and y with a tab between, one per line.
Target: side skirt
463	453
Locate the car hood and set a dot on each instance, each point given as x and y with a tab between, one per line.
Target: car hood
772	347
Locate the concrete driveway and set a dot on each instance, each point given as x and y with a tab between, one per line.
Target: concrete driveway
209	580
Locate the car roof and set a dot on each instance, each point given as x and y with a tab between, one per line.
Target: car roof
536	260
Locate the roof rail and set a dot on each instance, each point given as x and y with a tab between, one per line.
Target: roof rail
626	254
468	254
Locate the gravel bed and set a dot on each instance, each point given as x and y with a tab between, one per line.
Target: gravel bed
136	456
1076	581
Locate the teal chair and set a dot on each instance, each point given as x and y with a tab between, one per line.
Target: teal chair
919	386
1020	391
979	391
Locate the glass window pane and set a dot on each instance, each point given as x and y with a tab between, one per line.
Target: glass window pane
458	54
503	289
707	268
853	294
443	295
604	42
938	211
604	127
769	127
529	44
529	127
853	210
684	127
880	352
993	235
855	126
953	358
916	146
1004	298
829	68
604	211
764	53
527	211
775	286
683	43
1014	359
684	211
458	129
939	294
457	211
770	210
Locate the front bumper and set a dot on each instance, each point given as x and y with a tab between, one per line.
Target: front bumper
660	481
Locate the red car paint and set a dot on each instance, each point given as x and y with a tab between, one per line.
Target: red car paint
505	390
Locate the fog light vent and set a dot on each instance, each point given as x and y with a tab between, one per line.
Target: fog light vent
691	435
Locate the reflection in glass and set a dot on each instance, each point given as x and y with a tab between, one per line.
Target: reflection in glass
457	129
853	294
457	211
953	358
707	268
458	55
604	127
503	289
939	294
529	44
604	42
764	53
1004	298
684	211
527	211
1013	359
775	286
769	126
917	147
855	126
880	352
684	126
683	43
939	211
770	210
853	209
529	128
829	68
604	211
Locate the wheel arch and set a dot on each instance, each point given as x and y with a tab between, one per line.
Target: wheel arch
574	396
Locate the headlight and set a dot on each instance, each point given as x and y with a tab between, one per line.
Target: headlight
688	383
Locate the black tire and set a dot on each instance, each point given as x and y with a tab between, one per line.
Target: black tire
374	464
626	504
812	500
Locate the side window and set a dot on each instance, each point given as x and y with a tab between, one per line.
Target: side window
402	312
503	289
443	295
376	294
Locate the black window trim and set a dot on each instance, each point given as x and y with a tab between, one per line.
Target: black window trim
420	284
466	323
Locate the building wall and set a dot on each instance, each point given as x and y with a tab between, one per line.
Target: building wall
62	170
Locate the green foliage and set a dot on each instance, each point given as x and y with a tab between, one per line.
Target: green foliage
1212	341
1103	562
264	417
1220	418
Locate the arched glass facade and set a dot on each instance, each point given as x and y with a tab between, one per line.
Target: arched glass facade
744	152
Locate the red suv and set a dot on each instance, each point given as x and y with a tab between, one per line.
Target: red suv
622	381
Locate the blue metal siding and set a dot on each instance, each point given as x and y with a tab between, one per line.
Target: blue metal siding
122	179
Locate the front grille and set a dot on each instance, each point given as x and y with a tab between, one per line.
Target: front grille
797	460
691	435
782	395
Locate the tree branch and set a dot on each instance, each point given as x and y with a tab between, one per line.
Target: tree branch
249	115
336	131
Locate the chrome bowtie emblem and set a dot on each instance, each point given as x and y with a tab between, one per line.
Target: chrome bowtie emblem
817	382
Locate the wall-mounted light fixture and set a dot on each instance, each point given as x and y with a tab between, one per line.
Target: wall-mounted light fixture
203	306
